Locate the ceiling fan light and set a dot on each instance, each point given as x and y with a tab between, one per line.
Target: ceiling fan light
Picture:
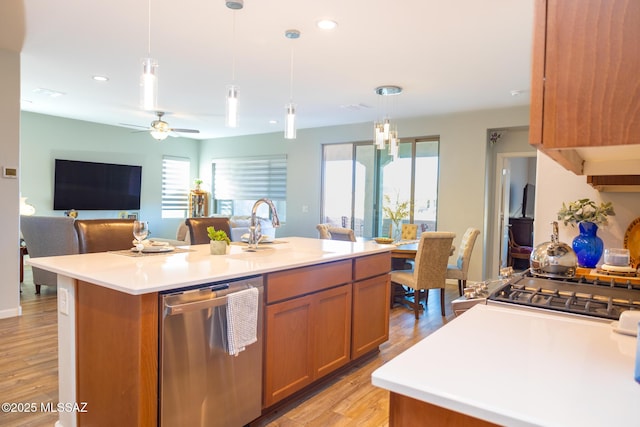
159	135
149	85
232	107
290	121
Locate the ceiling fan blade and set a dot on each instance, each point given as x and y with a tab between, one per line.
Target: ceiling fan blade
133	126
185	130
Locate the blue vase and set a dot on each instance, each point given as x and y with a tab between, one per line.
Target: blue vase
587	245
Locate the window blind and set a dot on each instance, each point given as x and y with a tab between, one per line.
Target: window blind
175	187
250	178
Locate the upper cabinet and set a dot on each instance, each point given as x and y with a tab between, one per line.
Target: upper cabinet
585	90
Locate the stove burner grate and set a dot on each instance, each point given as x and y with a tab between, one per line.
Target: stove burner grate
575	295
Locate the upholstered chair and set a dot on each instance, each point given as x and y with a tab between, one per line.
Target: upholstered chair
48	236
329	232
517	251
409	232
459	270
198	228
430	268
103	235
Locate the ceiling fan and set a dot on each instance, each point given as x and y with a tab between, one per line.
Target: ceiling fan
159	129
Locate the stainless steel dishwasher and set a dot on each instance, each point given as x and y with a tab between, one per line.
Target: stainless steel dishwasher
201	384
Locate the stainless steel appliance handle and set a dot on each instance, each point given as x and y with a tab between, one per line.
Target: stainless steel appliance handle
194	306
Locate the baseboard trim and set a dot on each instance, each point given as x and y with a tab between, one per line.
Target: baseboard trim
11	312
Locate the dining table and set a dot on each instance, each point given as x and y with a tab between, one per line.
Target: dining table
404	251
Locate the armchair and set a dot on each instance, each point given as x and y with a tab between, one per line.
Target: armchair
48	236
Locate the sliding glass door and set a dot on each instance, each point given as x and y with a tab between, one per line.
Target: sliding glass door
357	177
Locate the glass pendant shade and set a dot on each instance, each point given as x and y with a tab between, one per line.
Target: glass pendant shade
232	107
378	136
385	126
290	122
393	144
149	85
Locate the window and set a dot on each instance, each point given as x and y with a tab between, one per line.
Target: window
239	182
357	176
175	187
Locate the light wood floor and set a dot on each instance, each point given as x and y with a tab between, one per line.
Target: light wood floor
29	370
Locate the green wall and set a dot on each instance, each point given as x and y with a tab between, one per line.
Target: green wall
45	138
463	163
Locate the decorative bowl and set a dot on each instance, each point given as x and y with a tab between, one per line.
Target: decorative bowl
383	240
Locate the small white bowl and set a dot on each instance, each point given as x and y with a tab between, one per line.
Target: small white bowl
628	323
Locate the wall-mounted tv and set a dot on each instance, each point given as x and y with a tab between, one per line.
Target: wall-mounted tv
96	186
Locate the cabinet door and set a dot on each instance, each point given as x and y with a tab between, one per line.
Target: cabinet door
288	348
370	314
332	335
585	73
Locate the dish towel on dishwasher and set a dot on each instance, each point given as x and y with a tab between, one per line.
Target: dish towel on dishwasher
242	319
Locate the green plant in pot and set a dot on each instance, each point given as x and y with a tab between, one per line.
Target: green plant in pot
219	241
588	215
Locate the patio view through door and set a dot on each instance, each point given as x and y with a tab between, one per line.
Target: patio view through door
356	177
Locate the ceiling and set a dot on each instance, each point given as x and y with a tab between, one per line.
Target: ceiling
448	56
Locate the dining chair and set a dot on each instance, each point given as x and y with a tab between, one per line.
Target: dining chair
329	232
409	232
430	268
460	269
102	235
198	228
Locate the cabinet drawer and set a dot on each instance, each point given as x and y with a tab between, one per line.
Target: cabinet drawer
287	284
372	265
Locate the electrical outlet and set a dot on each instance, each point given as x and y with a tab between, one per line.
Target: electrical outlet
305	208
63	301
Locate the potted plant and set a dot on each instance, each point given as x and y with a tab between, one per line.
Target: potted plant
395	213
198	183
588	215
219	241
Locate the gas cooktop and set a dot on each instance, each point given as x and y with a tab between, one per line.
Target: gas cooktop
598	298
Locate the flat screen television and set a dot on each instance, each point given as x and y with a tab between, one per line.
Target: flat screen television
96	186
528	200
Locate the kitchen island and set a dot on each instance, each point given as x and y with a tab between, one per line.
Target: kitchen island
108	317
496	365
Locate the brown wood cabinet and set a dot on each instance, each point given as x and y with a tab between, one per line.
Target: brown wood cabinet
117	356
585	90
408	412
320	318
305	338
371	296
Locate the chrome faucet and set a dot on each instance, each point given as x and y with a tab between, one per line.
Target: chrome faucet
254	228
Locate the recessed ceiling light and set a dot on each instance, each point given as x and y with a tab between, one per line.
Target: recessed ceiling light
273	122
327	24
101	78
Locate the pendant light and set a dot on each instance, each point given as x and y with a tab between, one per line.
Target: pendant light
290	108
384	132
149	77
231	111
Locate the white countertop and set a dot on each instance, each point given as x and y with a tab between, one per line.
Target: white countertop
161	272
522	368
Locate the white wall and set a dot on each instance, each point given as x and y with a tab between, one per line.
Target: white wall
45	138
463	145
556	185
9	188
